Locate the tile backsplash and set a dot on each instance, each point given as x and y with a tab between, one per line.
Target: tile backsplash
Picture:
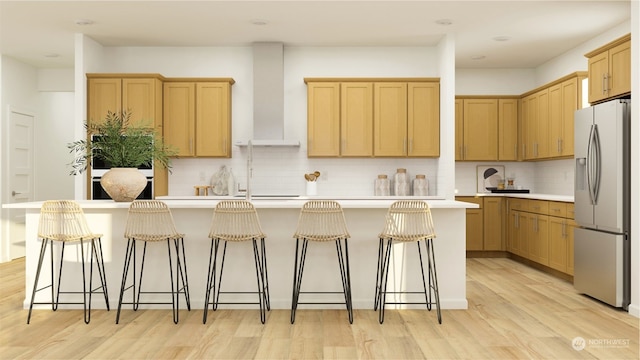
280	170
554	177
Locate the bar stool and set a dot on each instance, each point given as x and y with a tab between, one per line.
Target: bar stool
150	221
407	221
321	221
236	221
64	221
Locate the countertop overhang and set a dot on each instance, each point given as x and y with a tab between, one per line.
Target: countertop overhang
181	202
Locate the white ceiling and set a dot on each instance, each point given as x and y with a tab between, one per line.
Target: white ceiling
538	30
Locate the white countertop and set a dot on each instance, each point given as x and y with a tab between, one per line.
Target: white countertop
549	197
347	202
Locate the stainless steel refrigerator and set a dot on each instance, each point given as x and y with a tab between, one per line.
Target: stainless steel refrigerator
602	255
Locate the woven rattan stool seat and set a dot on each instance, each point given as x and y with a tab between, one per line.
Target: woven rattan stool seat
150	221
407	221
63	221
235	221
321	221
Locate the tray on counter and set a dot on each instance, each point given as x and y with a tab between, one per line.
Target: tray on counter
510	191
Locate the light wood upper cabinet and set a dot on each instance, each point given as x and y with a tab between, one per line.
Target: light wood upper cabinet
571	95
323	119
548	118
103	95
480	123
507	129
373	118
198	117
423	119
213	119
390	119
610	70
140	94
180	115
356	118
536	122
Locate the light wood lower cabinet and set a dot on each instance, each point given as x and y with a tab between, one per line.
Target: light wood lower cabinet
542	231
538	238
493	212
485	228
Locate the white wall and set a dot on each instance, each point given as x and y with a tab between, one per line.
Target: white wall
19	82
52	179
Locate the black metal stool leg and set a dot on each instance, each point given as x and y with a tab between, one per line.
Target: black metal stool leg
217	289
343	261
101	270
182	271
297	276
378	274
57	285
174	294
129	253
43	250
433	276
385	272
427	290
211	275
266	275
260	281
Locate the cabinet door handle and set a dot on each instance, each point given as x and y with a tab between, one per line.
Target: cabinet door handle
461	152
604	84
524	150
564	229
410	146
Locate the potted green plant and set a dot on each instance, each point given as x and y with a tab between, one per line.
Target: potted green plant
125	147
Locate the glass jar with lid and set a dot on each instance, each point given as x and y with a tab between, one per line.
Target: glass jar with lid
381	186
420	185
401	183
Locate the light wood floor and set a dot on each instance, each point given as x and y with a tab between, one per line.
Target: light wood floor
515	312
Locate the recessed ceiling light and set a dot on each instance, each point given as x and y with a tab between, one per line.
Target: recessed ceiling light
259	22
84	22
444	22
51	55
478	57
502	38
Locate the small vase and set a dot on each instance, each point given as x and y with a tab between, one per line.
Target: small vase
123	184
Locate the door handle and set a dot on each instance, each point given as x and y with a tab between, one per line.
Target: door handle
14	193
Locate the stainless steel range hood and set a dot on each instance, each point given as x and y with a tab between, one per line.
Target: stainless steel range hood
268	96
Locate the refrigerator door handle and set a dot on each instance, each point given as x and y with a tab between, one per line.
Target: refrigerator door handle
589	167
598	167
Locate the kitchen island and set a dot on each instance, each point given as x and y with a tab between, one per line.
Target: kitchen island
278	217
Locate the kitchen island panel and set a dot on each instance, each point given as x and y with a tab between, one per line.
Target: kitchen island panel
321	271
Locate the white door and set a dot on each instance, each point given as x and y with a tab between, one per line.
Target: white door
20	175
